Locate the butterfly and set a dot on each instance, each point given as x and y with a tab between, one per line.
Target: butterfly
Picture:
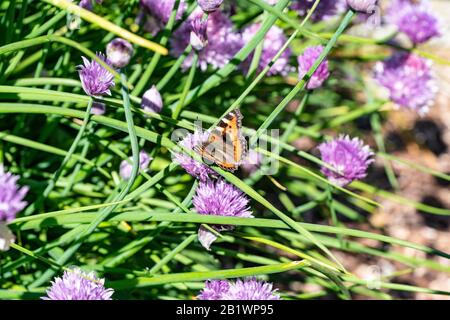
225	146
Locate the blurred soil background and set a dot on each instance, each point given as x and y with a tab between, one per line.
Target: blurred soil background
426	141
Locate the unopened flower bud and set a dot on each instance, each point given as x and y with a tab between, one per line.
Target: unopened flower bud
209	5
119	52
86	4
6	237
365	6
126	167
152	100
98	108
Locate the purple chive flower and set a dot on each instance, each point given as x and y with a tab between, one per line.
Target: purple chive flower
6	237
209	5
158	13
194	168
162	9
247	289
272	2
126	167
273	41
86	4
78	285
98	108
326	9
119	52
11	196
152	100
95	79
214	290
216	197
414	19
307	60
198	36
349	158
223	41
409	81
251	289
364	6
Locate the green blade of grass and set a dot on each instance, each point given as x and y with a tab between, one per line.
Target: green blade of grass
286	219
107	25
201	276
134	216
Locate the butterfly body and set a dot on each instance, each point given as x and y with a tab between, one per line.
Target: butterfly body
225	146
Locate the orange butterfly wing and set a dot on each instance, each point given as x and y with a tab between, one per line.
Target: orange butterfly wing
225	146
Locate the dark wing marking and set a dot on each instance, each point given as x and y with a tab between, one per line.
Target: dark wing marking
225	146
